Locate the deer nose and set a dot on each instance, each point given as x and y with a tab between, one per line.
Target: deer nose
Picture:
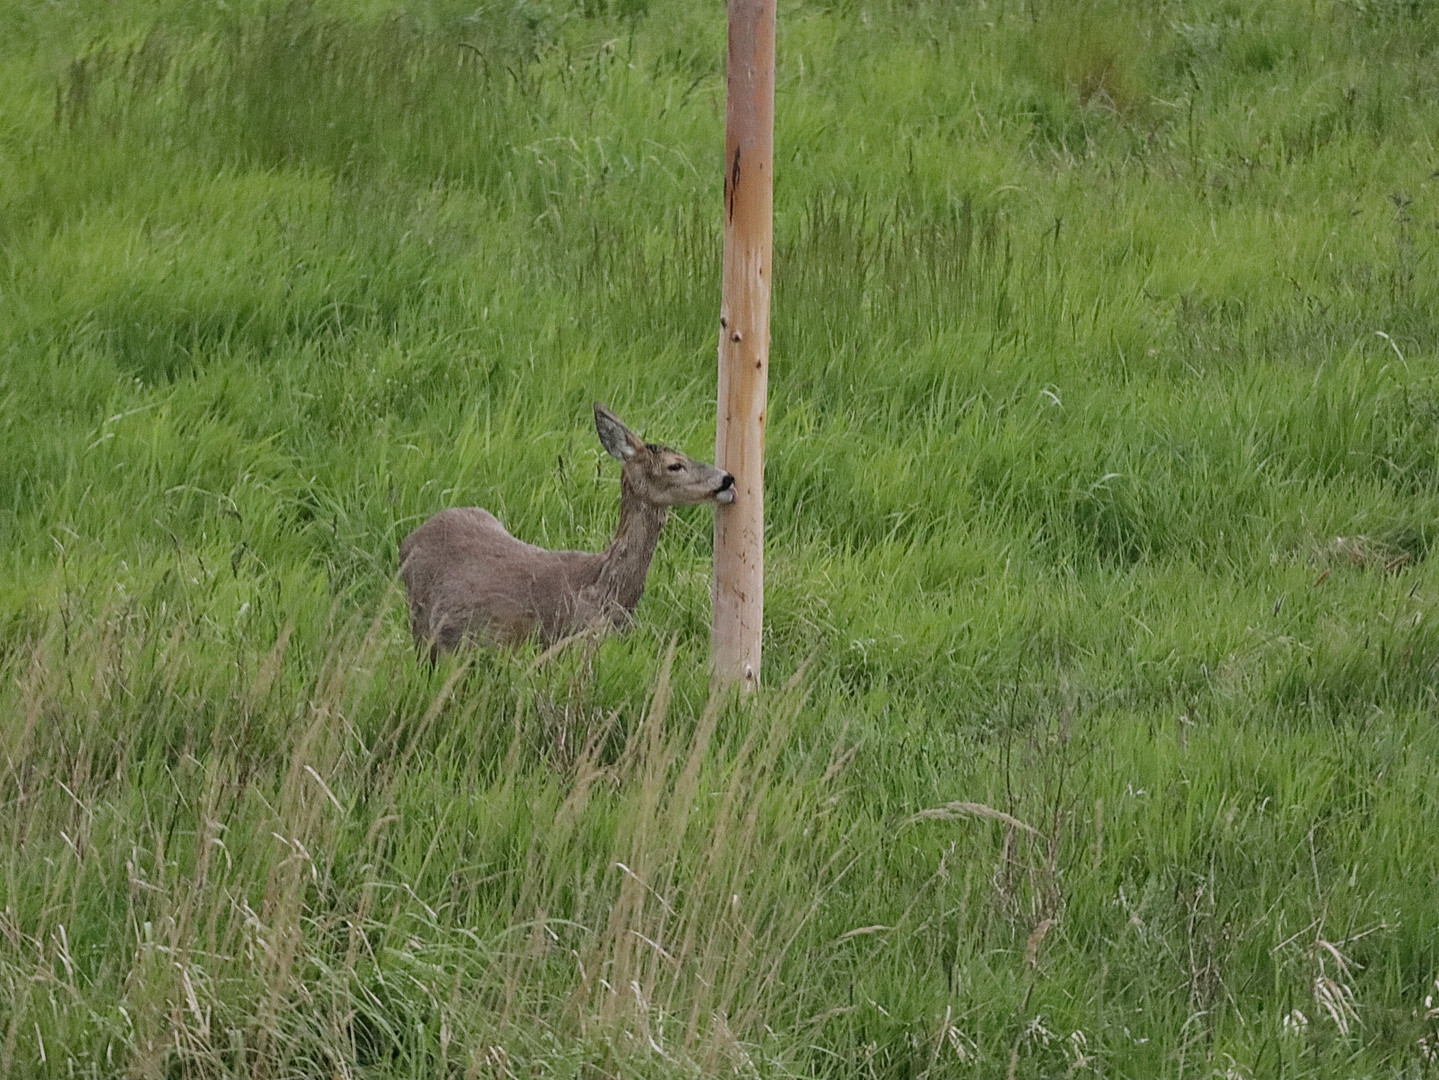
725	492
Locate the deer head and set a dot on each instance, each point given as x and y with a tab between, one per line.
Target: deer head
658	474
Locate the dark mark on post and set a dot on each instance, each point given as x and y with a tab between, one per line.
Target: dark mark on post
733	182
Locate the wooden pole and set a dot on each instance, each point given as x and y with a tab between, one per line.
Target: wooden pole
744	340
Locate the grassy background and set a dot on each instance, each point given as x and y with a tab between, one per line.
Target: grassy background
1103	470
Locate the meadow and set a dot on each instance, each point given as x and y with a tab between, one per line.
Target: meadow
1099	732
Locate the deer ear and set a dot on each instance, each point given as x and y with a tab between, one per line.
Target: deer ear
618	440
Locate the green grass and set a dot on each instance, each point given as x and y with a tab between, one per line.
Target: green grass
1100	733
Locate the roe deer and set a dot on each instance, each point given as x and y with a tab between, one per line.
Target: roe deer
467	577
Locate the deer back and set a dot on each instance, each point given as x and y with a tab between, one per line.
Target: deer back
465	575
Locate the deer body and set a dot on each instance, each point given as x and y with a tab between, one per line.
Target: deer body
468	578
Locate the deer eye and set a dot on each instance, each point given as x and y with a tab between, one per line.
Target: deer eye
677	467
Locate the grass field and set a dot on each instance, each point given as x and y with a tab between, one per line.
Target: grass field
1100	733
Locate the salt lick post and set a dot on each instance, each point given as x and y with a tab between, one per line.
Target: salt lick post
744	341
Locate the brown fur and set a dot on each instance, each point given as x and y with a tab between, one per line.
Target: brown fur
468	578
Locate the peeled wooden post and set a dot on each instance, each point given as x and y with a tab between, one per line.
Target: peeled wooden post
744	340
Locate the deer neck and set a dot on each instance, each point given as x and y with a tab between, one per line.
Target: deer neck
626	561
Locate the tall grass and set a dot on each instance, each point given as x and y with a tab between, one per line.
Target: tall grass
1099	734
479	869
